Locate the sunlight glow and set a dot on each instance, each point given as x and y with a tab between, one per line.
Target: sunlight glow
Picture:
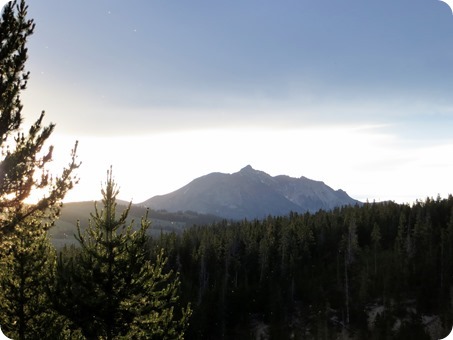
145	166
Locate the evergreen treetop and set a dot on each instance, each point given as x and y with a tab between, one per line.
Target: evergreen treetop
115	290
23	159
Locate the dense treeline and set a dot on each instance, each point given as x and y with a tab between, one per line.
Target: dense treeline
110	287
376	271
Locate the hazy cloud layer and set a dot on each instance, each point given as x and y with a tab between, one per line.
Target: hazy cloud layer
200	63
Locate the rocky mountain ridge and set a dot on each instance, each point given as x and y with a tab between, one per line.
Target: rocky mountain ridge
251	193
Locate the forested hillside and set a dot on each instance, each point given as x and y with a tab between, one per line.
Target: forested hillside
65	228
369	271
378	271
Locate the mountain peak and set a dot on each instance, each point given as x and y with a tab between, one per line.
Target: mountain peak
251	193
247	168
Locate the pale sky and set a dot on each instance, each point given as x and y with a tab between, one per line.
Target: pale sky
357	94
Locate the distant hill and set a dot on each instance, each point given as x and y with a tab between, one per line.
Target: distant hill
250	193
161	221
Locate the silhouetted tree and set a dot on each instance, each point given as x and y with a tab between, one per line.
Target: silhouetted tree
22	159
17	295
376	239
115	289
26	259
27	269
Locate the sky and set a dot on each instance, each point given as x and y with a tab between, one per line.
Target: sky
357	94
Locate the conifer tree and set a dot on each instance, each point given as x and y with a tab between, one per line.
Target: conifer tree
27	268
376	239
23	161
26	258
350	247
115	290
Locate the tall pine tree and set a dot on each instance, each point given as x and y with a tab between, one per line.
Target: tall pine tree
26	258
27	267
113	289
23	161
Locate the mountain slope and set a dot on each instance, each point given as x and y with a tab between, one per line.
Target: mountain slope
250	193
65	229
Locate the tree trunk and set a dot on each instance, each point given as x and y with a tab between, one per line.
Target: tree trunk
346	287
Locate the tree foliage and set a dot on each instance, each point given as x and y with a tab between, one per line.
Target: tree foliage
27	267
111	289
14	31
374	271
23	158
27	261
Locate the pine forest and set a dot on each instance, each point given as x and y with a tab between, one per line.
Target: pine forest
366	271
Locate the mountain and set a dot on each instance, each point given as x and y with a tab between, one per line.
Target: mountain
63	233
250	194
